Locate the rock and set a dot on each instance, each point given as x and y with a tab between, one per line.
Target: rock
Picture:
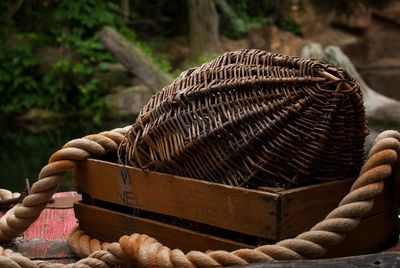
37	115
231	45
304	13
259	38
284	42
134	59
382	40
271	38
384	76
113	75
357	21
128	101
48	56
353	46
390	12
377	106
176	51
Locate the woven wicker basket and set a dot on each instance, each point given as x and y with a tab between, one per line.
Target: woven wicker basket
250	118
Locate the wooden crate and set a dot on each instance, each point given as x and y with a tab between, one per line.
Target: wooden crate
111	191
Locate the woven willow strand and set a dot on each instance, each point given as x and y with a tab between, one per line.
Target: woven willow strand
236	119
145	251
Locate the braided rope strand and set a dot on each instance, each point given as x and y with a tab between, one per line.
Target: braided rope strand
145	251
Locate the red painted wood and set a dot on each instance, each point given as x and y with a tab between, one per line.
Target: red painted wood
45	238
53	223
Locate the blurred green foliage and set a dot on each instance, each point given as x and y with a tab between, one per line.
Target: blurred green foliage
26	148
73	26
290	25
70	25
67	82
161	18
19	89
238	17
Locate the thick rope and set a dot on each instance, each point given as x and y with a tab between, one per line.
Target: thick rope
6	194
145	251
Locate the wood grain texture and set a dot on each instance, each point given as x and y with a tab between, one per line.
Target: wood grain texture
227	207
45	238
266	215
53	223
378	230
134	59
113	225
302	207
374	234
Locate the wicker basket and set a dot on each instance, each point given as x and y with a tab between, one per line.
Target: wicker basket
250	118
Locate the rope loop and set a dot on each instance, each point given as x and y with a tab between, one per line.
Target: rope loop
145	251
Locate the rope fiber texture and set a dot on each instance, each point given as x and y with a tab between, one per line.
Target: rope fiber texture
144	251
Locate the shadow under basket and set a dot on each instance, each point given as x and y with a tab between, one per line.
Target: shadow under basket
198	215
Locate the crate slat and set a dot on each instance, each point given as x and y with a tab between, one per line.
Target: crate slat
223	206
114	224
302	207
374	234
267	216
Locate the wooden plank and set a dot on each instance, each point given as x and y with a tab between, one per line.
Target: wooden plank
374	234
64	202
247	211
372	260
302	207
45	238
305	206
113	225
395	248
388	199
271	189
46	227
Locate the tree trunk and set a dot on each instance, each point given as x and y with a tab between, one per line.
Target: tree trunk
377	106
237	27
134	60
15	7
203	24
125	8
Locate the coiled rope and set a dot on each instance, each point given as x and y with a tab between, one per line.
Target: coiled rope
145	251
